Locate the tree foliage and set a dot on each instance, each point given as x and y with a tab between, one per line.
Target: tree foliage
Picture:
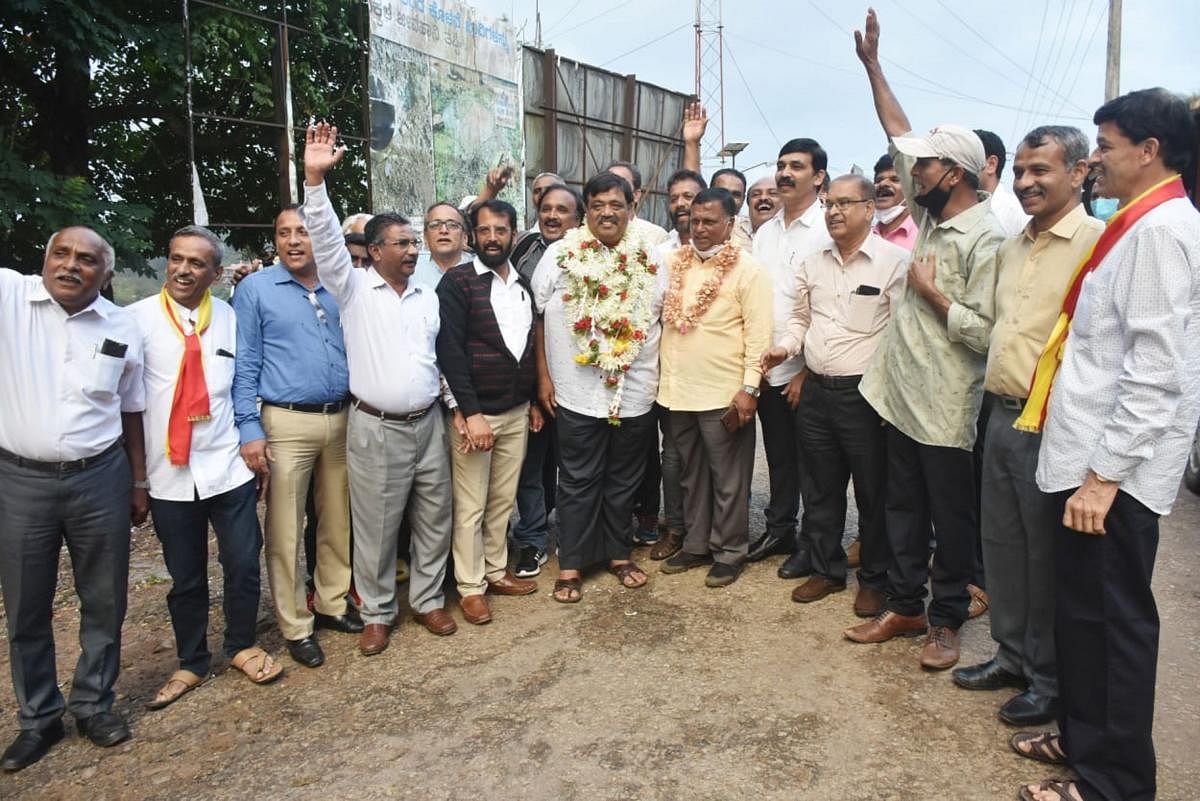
94	130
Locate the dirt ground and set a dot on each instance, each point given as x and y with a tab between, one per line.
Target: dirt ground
670	692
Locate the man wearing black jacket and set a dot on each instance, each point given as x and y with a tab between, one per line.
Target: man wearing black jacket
485	349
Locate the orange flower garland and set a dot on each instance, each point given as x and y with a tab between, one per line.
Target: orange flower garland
673	312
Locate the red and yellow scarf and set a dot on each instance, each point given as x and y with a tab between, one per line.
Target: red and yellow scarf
1033	417
191	403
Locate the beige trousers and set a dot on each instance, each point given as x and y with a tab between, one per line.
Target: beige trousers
302	444
485	489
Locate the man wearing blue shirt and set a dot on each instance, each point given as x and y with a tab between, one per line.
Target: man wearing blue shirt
291	355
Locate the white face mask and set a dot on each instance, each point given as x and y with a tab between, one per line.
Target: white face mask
708	254
887	216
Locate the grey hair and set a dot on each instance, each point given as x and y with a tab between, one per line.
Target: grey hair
108	256
553	175
1074	143
864	184
353	220
208	236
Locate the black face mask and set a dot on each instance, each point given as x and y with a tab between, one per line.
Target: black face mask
935	199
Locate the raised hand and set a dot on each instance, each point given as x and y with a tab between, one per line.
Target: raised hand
321	152
866	44
695	121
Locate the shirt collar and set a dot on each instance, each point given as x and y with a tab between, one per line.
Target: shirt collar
807	219
1064	228
483	269
100	306
868	248
966	220
284	276
375	281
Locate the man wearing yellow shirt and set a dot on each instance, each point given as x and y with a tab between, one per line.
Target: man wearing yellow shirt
1018	520
716	324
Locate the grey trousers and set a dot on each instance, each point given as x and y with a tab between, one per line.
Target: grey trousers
393	465
1018	526
717	470
89	510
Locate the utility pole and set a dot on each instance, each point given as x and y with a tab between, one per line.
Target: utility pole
1112	72
537	25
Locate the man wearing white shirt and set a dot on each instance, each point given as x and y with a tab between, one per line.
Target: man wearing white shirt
603	416
71	368
780	245
1005	206
1118	427
396	450
194	463
485	348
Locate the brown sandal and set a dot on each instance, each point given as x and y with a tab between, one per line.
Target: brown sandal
257	664
1063	789
666	546
979	601
1044	747
571	585
181	683
625	573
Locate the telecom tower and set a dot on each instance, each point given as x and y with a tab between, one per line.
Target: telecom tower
710	75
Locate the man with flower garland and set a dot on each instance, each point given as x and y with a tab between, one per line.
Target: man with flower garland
597	345
716	325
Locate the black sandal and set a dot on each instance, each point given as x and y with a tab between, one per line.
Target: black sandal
572	585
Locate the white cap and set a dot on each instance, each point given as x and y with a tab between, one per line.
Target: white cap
960	145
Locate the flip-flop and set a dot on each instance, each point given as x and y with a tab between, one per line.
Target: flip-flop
625	572
180	684
575	585
257	664
1063	789
1043	747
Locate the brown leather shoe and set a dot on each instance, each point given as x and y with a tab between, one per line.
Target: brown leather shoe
816	588
941	648
869	602
475	609
508	584
374	638
853	559
886	626
438	621
667	546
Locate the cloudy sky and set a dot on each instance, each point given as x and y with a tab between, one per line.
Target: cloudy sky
790	67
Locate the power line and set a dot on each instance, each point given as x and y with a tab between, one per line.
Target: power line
750	92
1057	47
643	46
563	18
1078	40
1037	51
1025	70
1091	41
595	17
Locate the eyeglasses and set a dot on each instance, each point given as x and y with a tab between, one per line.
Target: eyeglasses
488	230
317	307
444	225
404	244
843	203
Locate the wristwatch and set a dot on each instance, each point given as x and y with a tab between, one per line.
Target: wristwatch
753	392
142	484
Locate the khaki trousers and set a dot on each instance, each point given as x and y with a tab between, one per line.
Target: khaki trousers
485	489
303	443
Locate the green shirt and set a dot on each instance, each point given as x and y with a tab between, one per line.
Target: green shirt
926	377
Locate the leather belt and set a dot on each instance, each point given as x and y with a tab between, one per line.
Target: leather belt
836	381
312	408
367	408
61	468
1010	403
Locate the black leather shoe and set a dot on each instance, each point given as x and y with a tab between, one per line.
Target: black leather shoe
307	652
987	676
30	746
105	729
343	623
770	544
798	565
1029	709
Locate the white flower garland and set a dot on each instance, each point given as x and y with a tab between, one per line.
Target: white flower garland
608	296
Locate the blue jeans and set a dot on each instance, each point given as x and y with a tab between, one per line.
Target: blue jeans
536	489
182	528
